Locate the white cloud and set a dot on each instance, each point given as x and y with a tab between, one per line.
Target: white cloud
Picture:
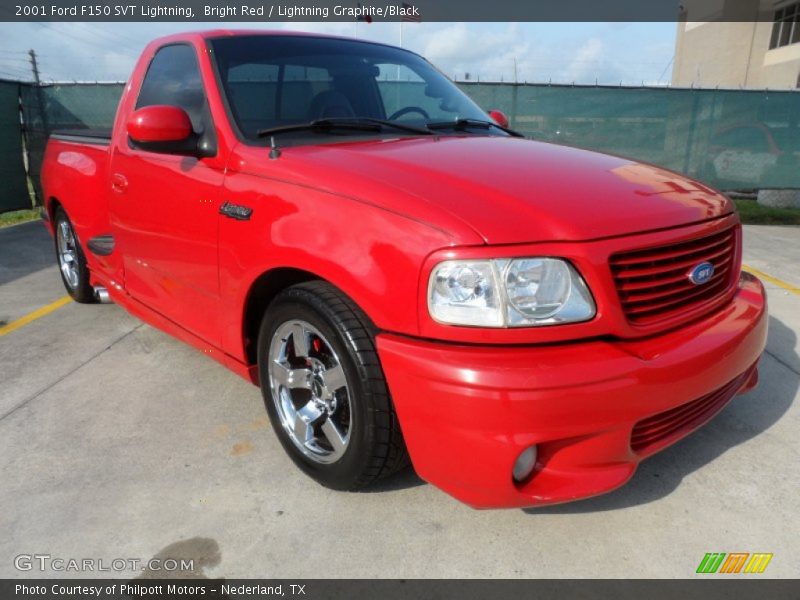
588	62
591	52
557	52
464	48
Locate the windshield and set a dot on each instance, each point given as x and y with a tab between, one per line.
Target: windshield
277	81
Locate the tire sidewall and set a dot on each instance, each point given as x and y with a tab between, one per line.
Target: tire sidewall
342	473
83	291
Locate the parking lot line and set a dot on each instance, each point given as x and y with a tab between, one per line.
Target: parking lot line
773	280
36	314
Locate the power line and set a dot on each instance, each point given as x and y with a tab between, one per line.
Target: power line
70	35
103	43
108	36
665	69
14	68
15	76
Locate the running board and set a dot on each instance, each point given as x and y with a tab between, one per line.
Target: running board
101	245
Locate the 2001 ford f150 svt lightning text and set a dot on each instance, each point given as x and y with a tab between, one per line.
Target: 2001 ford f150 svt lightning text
406	278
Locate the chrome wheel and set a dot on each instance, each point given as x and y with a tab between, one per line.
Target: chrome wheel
310	391
67	253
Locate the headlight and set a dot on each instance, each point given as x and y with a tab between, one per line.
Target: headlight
508	293
465	293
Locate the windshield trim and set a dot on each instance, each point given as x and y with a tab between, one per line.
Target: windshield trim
212	57
312	36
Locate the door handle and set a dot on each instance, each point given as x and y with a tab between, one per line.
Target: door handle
119	182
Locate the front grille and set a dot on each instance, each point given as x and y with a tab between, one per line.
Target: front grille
658	431
653	283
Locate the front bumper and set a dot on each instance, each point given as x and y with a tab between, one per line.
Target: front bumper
468	411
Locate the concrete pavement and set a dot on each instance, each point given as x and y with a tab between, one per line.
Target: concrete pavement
117	441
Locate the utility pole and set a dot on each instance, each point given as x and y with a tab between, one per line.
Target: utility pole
39	95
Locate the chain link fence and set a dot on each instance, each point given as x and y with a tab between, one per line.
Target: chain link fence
731	139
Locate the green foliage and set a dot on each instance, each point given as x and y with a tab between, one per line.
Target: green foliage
753	213
19	216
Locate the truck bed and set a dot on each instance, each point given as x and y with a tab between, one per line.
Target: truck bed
83	136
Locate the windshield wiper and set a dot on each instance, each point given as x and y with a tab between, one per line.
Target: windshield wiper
319	125
353	123
393	124
464	124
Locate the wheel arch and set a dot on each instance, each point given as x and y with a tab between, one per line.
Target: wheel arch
51	204
262	292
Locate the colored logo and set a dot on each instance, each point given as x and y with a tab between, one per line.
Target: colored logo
735	562
701	273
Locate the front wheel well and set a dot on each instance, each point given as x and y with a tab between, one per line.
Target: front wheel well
51	205
262	292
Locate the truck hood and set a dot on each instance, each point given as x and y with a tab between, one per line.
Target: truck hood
510	190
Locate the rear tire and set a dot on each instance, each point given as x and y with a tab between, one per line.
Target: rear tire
71	259
324	388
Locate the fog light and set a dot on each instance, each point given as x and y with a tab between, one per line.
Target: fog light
524	464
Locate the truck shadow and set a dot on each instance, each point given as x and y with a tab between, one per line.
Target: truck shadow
744	418
407	478
27	248
191	559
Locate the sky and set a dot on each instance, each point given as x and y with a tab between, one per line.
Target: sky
582	53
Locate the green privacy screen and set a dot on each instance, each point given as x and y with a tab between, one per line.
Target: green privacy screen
12	169
731	139
66	106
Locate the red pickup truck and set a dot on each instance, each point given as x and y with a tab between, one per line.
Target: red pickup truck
408	279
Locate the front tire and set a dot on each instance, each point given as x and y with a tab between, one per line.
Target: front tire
71	260
324	388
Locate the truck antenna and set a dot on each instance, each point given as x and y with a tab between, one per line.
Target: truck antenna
274	151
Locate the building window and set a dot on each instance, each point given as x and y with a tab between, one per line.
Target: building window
786	28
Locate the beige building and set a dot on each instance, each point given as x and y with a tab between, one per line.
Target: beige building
738	43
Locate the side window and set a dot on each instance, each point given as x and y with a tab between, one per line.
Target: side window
722	139
744	138
749	139
756	140
173	78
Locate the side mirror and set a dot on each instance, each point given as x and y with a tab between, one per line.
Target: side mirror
160	128
499	117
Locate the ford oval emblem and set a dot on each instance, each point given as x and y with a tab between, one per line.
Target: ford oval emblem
701	273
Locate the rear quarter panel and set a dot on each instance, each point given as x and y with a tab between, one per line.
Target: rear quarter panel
75	175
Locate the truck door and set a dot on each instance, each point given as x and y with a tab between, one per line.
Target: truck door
164	207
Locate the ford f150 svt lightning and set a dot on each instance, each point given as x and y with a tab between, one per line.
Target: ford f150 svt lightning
407	279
